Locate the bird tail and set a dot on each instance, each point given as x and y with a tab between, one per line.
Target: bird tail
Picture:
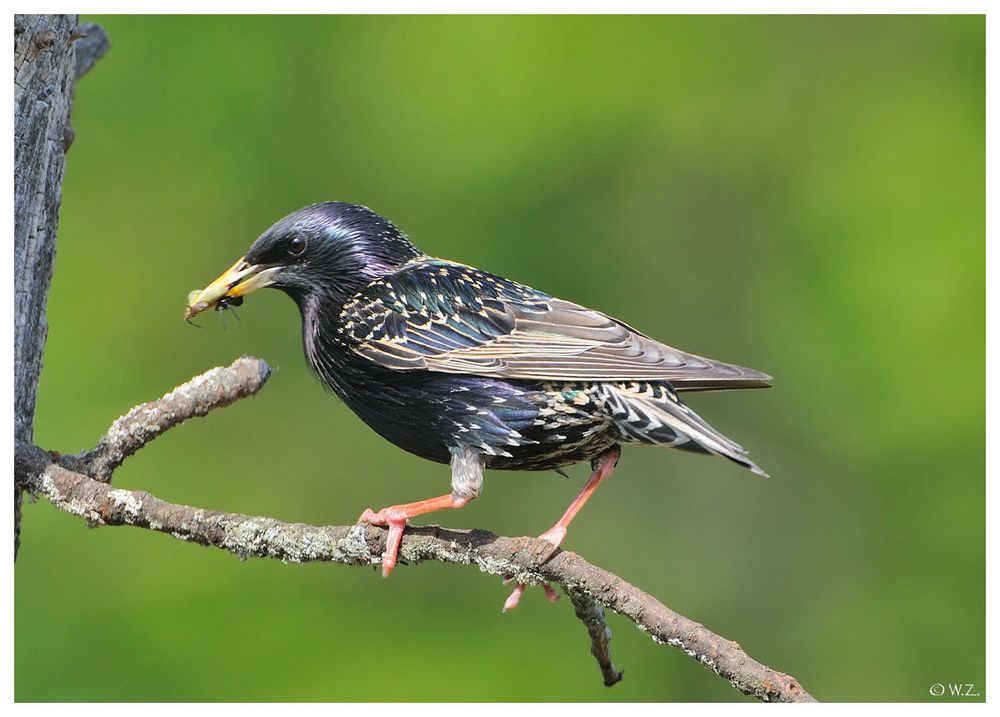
653	413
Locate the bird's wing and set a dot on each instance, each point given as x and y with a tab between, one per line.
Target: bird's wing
446	317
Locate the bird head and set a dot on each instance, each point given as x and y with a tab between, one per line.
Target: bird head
320	255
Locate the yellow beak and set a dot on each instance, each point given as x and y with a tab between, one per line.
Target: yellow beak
240	279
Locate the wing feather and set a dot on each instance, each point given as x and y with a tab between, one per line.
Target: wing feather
494	327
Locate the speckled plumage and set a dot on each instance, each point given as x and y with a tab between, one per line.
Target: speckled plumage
434	355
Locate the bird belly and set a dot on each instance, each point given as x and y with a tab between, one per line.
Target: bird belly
514	424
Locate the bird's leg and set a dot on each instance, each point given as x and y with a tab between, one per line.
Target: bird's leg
466	485
603	466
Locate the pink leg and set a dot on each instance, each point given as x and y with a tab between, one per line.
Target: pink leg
396	516
603	468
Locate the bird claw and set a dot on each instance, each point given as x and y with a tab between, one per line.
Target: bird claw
555	535
384	517
395	519
368	516
515	597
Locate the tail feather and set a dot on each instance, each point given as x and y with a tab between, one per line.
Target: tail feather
653	413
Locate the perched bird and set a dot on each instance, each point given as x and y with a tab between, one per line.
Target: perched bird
460	366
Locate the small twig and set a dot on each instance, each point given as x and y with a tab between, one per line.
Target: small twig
525	559
591	614
213	389
91	43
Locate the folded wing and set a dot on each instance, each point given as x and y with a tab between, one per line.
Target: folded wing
440	316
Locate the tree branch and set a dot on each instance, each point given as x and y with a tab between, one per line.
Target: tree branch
213	389
65	483
92	43
591	614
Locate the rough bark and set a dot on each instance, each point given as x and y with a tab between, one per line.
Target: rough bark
43	95
46	63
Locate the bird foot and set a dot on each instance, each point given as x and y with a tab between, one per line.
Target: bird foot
394	518
515	597
555	535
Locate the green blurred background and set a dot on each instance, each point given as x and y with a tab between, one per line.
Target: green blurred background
801	195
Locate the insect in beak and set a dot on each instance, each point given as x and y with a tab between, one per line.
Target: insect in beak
230	288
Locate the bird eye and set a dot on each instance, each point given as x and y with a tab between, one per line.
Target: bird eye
296	245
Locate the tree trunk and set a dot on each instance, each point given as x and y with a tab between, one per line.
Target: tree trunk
44	71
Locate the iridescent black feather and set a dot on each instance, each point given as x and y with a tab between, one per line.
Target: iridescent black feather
434	355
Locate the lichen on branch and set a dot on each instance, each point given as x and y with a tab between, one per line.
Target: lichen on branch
80	485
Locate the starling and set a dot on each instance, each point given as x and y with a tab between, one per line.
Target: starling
464	367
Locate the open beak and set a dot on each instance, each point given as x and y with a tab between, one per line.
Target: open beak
240	279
